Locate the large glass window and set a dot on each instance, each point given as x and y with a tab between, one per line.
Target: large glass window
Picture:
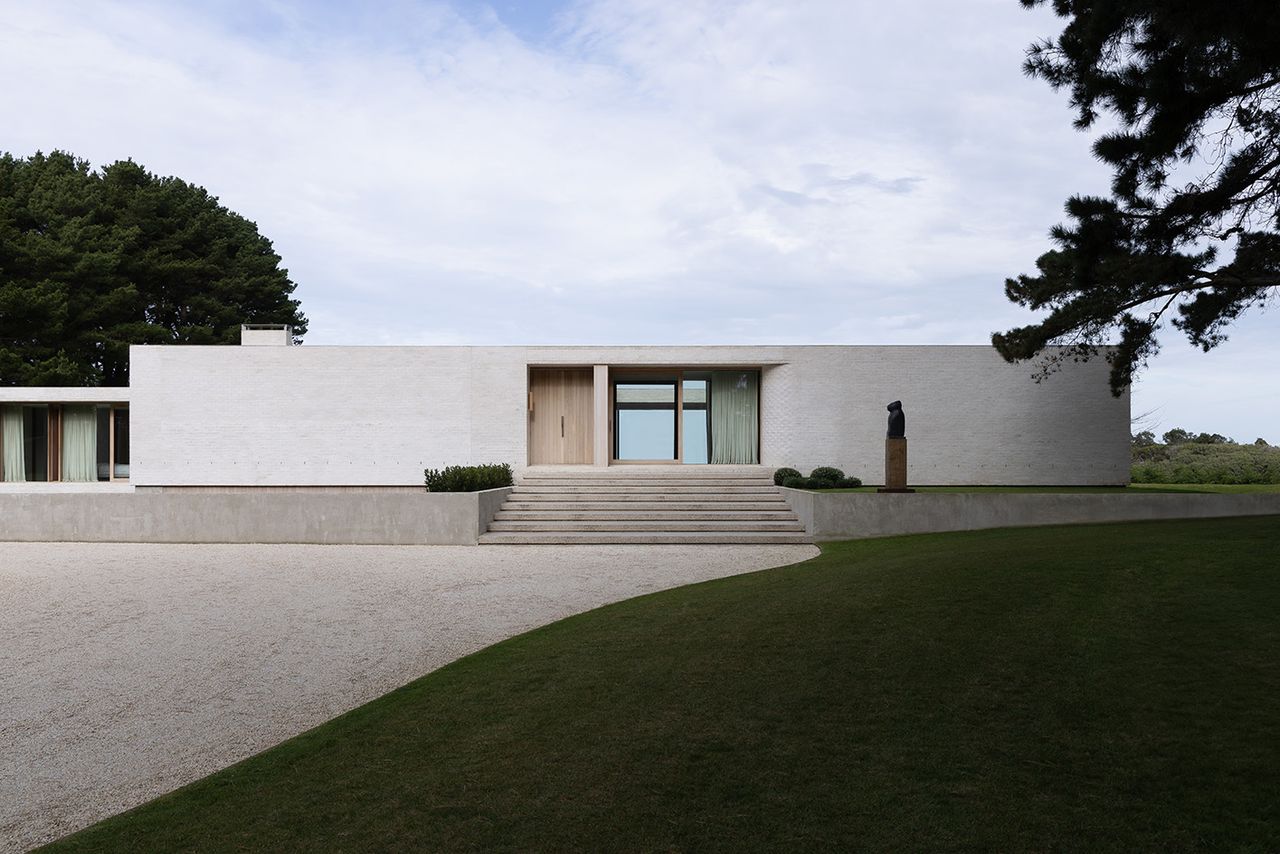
697	427
35	442
113	443
645	420
120	426
104	443
735	417
24	442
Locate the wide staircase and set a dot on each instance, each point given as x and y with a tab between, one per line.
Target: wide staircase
645	506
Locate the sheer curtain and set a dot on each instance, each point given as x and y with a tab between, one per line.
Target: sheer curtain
15	463
79	443
735	417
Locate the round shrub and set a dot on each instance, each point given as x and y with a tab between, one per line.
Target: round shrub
781	475
829	474
797	482
851	483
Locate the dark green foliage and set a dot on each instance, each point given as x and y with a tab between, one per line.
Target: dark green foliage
91	262
1178	436
1199	462
1191	225
1092	688
1260	441
827	474
468	478
1213	439
1143	437
823	477
781	475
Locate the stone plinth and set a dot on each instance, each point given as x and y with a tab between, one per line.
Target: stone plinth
895	465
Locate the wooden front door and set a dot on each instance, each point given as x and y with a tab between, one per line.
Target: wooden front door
561	422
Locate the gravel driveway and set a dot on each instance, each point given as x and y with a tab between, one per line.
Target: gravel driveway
129	670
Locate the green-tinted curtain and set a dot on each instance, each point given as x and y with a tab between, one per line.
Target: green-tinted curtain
735	417
79	443
15	462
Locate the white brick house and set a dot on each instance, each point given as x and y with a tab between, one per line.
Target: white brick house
316	416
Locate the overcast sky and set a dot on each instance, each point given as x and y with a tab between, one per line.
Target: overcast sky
610	171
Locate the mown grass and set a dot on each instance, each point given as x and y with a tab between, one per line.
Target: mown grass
1100	688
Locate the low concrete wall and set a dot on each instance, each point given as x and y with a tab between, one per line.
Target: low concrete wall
853	515
391	518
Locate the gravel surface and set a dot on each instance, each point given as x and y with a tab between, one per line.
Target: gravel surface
129	670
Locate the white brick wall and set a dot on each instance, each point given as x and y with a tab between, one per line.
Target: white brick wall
379	415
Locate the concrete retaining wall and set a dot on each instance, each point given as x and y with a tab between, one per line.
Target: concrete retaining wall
852	515
390	518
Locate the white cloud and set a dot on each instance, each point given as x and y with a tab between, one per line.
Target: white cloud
651	172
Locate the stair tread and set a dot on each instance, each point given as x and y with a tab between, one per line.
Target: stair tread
643	538
640	525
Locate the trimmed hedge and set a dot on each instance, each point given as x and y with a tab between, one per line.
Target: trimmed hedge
468	478
783	474
828	474
797	482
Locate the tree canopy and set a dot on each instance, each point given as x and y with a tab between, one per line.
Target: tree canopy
1189	232
93	261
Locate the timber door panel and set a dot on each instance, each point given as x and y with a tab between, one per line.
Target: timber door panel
561	416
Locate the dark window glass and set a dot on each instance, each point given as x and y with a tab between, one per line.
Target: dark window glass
122	442
104	443
35	444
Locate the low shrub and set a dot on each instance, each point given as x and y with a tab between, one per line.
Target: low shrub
782	474
468	478
796	482
829	474
821	478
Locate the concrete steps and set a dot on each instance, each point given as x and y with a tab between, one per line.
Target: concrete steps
647	494
645	525
633	505
576	515
568	538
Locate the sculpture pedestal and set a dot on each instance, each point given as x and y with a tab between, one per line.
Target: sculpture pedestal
895	466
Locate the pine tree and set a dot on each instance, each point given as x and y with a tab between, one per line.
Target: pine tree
91	262
1190	229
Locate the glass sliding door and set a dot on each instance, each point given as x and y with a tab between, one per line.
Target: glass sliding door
79	452
104	443
13	450
112	442
644	418
692	417
36	442
735	417
120	442
695	426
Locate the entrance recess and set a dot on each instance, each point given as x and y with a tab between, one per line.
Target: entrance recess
561	424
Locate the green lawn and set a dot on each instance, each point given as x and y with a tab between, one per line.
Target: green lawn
1135	488
1100	688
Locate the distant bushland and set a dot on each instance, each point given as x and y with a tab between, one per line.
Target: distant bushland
1203	458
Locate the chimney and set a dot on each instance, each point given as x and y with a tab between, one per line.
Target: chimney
266	335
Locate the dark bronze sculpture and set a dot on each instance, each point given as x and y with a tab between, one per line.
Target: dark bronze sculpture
897	421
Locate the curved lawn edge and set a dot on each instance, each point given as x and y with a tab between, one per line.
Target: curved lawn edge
370	706
947	670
